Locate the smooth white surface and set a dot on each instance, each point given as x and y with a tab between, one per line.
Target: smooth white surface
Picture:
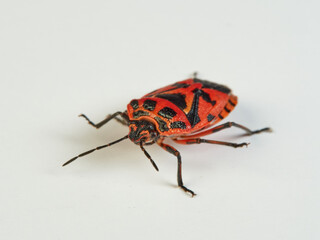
62	58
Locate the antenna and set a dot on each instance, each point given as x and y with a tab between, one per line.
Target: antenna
94	149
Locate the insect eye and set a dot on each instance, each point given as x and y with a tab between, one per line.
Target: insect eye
153	134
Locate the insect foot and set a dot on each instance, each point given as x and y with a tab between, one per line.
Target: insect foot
188	191
235	145
259	131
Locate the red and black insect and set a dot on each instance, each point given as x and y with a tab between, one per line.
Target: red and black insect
184	111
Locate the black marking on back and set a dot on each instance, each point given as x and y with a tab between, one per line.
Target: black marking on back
219	115
139	113
162	124
180	85
227	110
177	99
173	87
210	117
167	112
149	104
212	85
178	124
134	104
205	96
193	115
231	103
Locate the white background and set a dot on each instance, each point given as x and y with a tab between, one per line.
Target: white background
62	58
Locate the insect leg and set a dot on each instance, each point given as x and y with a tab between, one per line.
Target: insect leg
119	120
103	122
226	126
176	153
233	124
194	75
200	140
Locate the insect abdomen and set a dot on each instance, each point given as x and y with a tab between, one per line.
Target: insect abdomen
230	105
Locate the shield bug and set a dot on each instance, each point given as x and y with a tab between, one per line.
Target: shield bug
184	111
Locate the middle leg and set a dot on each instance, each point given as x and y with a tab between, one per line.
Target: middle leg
176	153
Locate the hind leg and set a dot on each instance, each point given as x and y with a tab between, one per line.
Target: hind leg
226	126
200	140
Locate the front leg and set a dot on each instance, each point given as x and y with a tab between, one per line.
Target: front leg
176	153
103	122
